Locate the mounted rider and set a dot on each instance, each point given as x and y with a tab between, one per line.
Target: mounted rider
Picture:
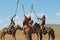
30	21
42	25
12	24
27	21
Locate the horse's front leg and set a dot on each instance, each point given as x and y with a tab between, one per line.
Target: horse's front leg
40	35
14	37
1	37
49	36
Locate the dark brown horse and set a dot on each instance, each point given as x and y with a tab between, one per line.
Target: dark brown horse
4	32
50	32
47	30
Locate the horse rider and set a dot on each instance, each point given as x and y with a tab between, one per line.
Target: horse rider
30	21
42	25
25	23
25	20
12	24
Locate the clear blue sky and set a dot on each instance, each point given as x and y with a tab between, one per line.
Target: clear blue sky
51	8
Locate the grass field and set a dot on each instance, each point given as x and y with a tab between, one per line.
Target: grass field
20	36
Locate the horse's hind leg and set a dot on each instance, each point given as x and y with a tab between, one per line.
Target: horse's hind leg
37	36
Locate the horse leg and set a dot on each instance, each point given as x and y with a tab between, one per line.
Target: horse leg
28	35
25	34
49	36
37	36
41	35
1	37
14	38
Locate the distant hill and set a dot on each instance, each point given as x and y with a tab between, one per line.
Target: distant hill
53	25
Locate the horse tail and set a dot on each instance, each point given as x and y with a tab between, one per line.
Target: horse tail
52	34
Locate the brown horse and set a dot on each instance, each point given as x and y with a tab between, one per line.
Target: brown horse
49	31
4	32
29	30
36	29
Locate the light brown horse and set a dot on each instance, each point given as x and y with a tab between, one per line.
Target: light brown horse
4	32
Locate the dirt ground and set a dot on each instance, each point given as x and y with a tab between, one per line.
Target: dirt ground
20	36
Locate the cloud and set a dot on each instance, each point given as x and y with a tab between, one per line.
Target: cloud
18	21
50	21
58	20
58	14
30	14
17	17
